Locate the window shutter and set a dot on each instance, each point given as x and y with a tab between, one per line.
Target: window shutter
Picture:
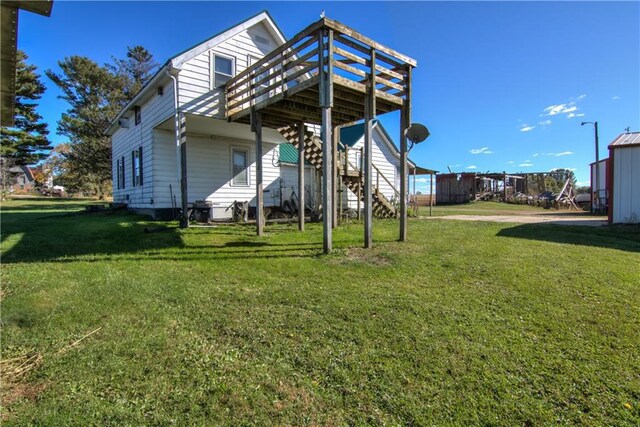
133	168
123	174
140	160
118	173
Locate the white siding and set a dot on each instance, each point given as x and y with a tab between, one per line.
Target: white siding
209	172
626	185
194	80
384	160
154	110
289	182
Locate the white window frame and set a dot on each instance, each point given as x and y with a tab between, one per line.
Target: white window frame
245	150
212	68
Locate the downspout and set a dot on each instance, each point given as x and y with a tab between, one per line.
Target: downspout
181	148
176	123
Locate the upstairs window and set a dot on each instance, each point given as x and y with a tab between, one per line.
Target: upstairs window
137	112
223	70
239	160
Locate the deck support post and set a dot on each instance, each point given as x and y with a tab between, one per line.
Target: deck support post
326	102
405	121
431	194
301	201
184	193
256	124
336	177
369	116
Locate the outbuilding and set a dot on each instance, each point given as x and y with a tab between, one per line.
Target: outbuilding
624	178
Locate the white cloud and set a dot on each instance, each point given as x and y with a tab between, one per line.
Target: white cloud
545	123
583	183
472	167
422	180
583	96
553	110
536	154
526	128
572	115
615	98
510	162
564	153
483	150
526	164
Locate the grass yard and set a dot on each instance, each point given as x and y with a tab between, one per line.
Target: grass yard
468	323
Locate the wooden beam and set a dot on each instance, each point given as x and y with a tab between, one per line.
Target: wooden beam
301	195
327	174
431	194
369	116
334	170
405	121
256	123
184	193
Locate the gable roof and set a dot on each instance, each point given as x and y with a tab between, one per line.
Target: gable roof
175	62
205	45
626	139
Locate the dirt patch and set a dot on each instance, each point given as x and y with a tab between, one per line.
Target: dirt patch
13	373
362	256
544	218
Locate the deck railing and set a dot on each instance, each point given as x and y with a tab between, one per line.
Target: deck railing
322	49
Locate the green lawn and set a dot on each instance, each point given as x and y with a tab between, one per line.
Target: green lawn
466	324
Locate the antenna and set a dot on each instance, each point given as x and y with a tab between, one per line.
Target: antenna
627	129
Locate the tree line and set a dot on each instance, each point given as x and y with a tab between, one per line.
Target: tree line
95	95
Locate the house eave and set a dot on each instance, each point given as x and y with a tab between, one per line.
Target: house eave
160	76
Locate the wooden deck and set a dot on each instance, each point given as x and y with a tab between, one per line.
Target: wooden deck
286	85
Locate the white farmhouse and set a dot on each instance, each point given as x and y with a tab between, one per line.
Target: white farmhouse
186	100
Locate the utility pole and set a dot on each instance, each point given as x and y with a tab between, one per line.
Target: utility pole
597	177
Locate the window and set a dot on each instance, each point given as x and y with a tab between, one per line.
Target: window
122	172
223	70
118	174
137	111
136	167
239	160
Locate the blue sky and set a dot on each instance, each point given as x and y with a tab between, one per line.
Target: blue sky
502	86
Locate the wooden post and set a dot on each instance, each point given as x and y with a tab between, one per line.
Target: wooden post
430	194
256	124
334	162
504	189
369	115
326	102
415	196
405	121
360	172
184	193
301	195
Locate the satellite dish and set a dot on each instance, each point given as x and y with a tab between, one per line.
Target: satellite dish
416	133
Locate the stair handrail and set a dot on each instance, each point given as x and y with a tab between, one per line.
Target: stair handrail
380	174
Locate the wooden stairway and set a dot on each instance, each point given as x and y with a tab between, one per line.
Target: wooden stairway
382	207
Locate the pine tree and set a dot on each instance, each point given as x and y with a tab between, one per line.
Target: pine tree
96	94
26	142
136	70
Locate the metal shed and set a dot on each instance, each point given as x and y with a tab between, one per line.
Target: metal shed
624	176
